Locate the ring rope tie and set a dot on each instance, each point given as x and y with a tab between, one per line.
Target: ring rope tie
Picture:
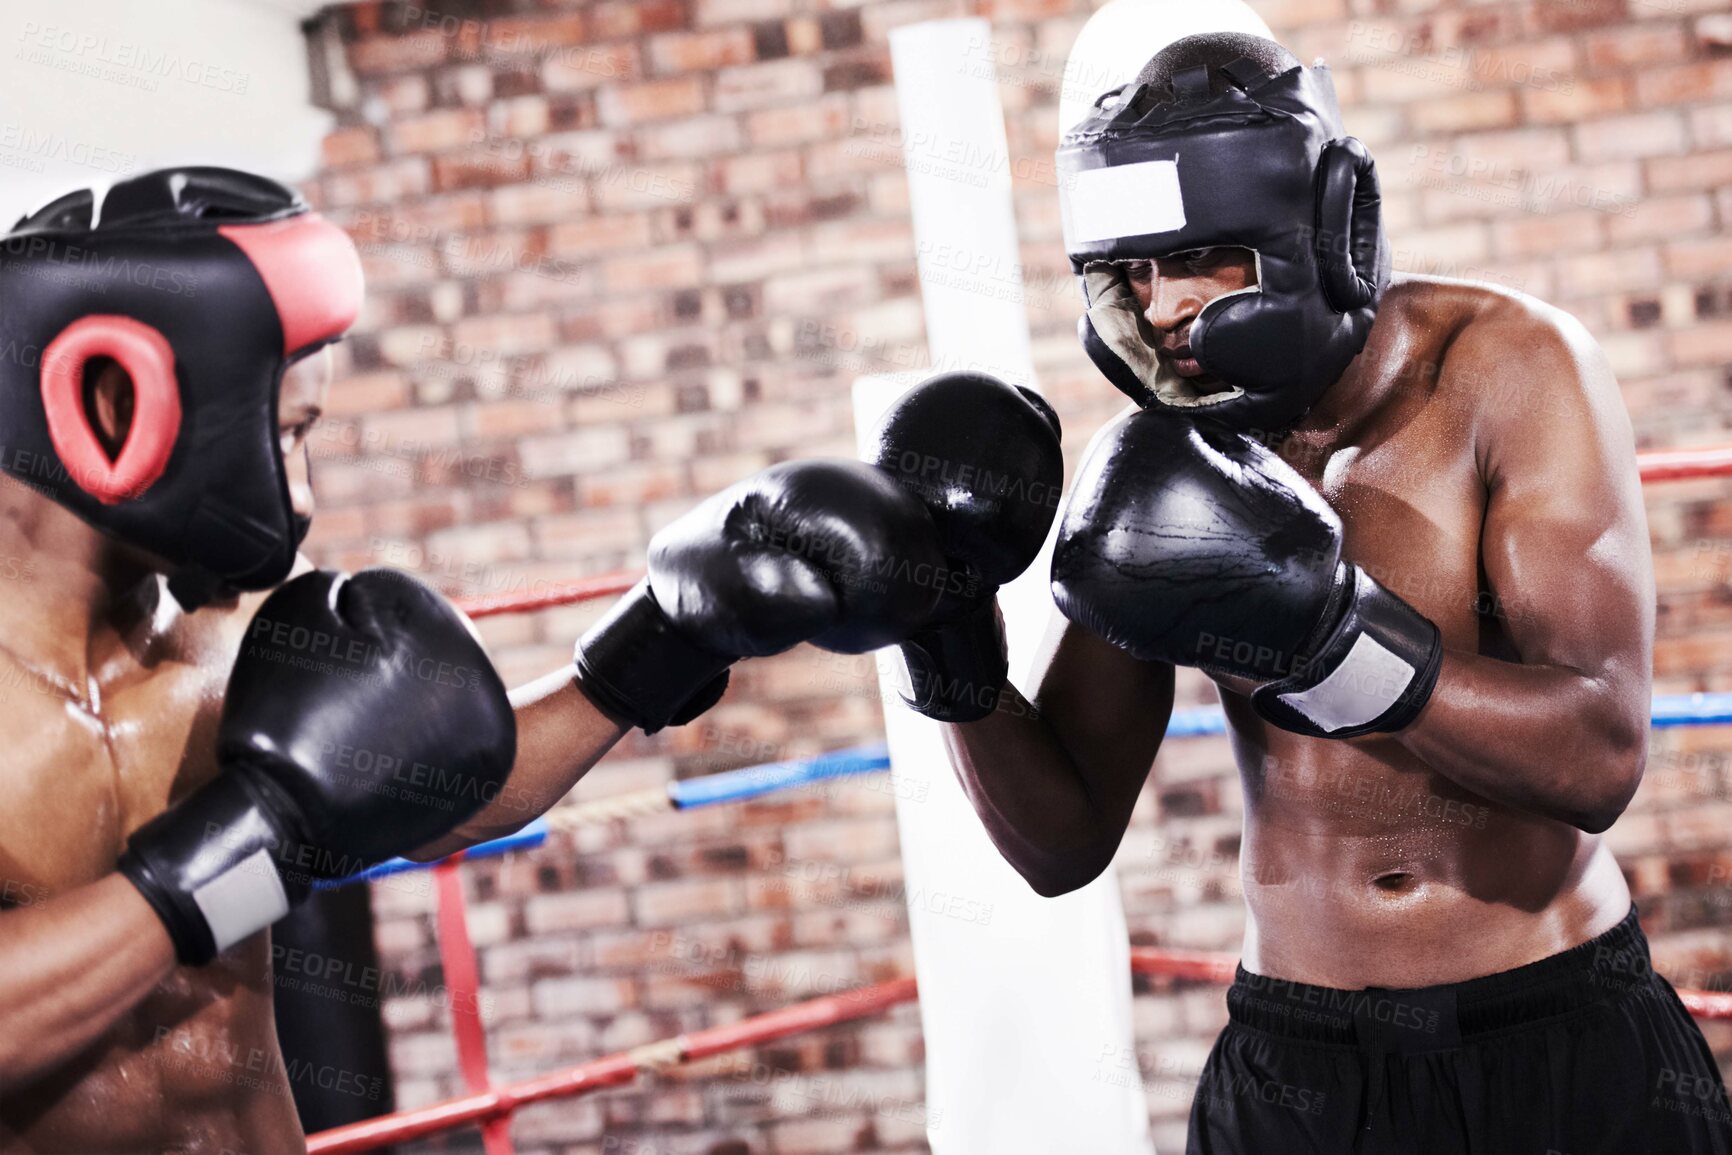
600	811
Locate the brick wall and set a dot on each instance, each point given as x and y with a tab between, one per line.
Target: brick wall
621	254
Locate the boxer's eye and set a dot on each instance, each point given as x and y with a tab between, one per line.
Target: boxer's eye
293	435
1139	272
1200	260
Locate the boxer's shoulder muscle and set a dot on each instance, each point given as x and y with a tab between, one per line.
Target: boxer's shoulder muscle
1503	347
1537	383
1500	367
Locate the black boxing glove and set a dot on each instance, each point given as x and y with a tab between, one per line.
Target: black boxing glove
1193	545
362	720
985	459
830	552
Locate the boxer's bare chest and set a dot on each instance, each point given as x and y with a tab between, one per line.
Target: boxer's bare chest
1406	484
1412	506
86	765
1348	843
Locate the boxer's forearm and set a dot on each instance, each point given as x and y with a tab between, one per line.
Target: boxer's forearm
1055	782
73	966
1039	808
560	735
1546	739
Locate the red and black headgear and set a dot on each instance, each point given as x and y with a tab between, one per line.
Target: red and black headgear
203	284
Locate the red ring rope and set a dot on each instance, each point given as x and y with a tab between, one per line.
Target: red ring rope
613	1070
1684	464
554	594
1658	465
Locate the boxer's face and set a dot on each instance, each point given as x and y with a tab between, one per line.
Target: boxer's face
1171	291
300	402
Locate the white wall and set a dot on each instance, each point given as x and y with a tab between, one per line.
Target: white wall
93	89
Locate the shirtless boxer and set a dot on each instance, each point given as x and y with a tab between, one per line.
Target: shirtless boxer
1424	587
158	377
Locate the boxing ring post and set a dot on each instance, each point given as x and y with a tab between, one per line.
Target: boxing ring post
462	972
1008	1074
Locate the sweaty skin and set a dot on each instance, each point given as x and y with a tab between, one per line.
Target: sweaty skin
1482	463
111	697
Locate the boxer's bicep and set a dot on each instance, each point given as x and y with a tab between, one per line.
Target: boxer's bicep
1565	543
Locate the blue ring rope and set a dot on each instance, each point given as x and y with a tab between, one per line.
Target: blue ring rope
1670	710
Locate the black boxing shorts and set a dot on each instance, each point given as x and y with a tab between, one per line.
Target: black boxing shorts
1585	1051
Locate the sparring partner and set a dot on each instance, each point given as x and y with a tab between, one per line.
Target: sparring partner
1413	555
183	767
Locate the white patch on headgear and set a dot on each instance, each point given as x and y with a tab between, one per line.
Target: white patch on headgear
1129	200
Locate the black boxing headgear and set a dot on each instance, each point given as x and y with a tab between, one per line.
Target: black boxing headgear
204	285
1265	166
